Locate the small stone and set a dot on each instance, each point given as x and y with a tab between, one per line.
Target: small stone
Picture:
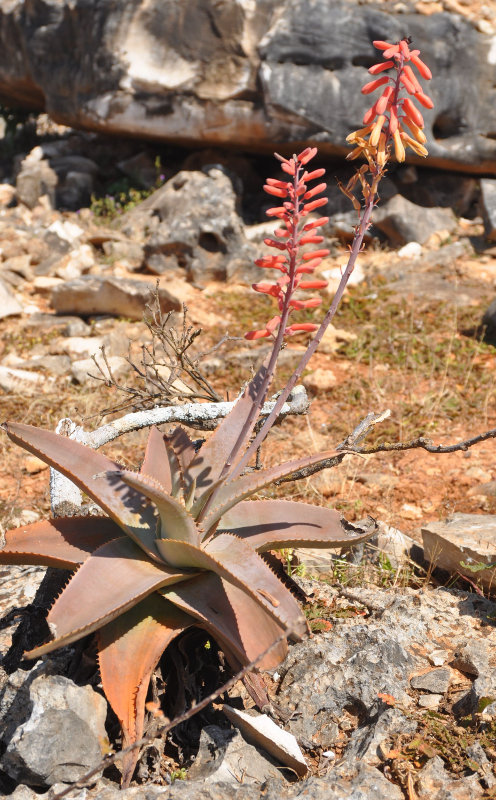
436	681
9	305
334	338
320	380
410	250
121	297
430	701
7	194
78	347
20	381
33	465
438	657
461	542
84	370
472	658
409	511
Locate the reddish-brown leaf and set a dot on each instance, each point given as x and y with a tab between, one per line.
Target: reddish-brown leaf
156	462
238	624
64	542
113	579
273	524
129	650
80	464
229	494
238	563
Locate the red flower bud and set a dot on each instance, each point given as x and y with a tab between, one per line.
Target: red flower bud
424	100
373	85
422	68
322	201
315	254
376	68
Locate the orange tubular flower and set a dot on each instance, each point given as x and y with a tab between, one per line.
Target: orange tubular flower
298	201
386	119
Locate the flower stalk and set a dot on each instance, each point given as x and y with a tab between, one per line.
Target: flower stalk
385	123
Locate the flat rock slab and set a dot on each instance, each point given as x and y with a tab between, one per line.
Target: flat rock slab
121	297
464	543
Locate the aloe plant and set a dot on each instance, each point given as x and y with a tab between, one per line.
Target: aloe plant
181	541
181	546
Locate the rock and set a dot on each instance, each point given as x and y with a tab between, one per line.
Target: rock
9	305
20	381
334	338
224	755
78	347
320	380
488	200
35	180
199	231
430	701
141	168
434	781
56	732
33	465
20	265
247	80
439	657
7	194
402	221
334	274
472	658
67	326
124	297
53	365
436	681
261	731
75	263
83	370
464	543
410	250
477	754
365	742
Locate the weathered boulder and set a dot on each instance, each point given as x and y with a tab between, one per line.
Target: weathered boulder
199	231
241	73
56	731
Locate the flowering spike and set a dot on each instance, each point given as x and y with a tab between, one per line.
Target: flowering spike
385	120
290	241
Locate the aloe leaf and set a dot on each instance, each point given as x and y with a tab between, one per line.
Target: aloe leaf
236	622
175	522
208	464
235	491
113	579
176	469
183	447
129	650
237	562
273	524
156	462
64	542
80	464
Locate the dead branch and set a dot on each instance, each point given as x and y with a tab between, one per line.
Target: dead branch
169	369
